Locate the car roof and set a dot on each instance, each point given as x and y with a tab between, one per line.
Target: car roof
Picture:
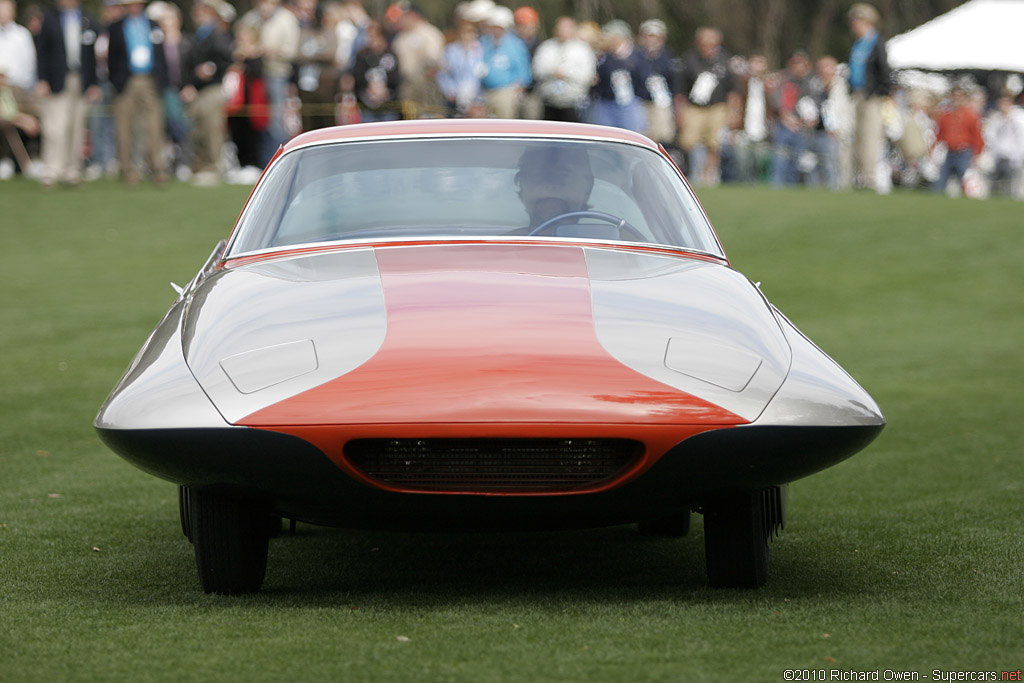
467	128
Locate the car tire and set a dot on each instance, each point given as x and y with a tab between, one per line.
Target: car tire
231	538
183	512
674	526
736	535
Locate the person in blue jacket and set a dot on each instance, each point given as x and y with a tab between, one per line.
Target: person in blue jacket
507	64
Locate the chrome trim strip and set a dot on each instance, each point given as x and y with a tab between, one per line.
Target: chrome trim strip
487	239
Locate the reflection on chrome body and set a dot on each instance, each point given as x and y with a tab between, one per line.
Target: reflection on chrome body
692	325
158	391
334	301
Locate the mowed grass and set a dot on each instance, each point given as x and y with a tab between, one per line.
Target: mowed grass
908	556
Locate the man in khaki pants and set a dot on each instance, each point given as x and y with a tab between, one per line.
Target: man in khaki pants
66	88
138	72
205	66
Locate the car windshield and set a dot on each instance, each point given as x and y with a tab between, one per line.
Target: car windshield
468	188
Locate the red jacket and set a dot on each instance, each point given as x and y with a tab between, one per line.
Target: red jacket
960	129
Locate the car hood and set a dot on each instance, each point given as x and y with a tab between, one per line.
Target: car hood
484	333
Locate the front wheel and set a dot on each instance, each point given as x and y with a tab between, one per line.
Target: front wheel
231	538
737	528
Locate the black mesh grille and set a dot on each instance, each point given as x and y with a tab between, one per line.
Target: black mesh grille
490	465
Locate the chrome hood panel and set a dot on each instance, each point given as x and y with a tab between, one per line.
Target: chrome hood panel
696	326
272	338
258	334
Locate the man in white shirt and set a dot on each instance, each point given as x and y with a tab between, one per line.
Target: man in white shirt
564	69
17	50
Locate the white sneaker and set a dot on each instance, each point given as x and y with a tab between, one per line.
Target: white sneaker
6	169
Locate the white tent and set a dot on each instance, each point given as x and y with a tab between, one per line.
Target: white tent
980	34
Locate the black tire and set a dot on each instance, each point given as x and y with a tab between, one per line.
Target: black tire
231	538
183	512
736	541
675	526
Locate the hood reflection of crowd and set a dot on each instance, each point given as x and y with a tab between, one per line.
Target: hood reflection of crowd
151	99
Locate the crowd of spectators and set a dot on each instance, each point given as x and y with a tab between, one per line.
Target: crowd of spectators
131	93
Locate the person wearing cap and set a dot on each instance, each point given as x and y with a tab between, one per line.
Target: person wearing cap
67	86
507	65
527	27
661	126
870	83
138	72
205	67
564	67
621	86
705	95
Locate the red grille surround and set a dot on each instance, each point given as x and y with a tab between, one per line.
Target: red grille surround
493	465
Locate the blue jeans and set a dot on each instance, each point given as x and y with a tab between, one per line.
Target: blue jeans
610	113
956	164
275	135
826	172
786	147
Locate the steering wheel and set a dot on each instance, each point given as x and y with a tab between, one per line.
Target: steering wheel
586	213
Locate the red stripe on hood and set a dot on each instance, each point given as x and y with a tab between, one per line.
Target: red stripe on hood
490	334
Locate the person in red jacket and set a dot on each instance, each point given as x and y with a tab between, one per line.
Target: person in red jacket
960	130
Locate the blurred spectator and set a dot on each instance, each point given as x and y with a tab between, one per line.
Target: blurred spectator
564	68
102	148
13	122
507	64
66	87
316	66
750	144
621	87
831	124
705	94
527	22
796	112
475	12
419	47
377	78
870	83
960	131
205	66
175	47
138	73
32	19
461	71
350	31
661	125
917	139
246	94
279	44
1004	139
17	49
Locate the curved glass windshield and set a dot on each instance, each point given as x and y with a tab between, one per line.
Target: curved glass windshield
467	188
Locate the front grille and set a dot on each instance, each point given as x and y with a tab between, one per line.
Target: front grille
493	465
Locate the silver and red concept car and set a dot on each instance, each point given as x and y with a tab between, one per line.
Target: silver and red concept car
481	325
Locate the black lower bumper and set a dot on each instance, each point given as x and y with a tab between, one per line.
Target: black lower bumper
297	480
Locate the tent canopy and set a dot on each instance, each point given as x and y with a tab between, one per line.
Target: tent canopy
980	34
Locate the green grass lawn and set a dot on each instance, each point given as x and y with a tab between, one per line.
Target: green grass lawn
909	556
